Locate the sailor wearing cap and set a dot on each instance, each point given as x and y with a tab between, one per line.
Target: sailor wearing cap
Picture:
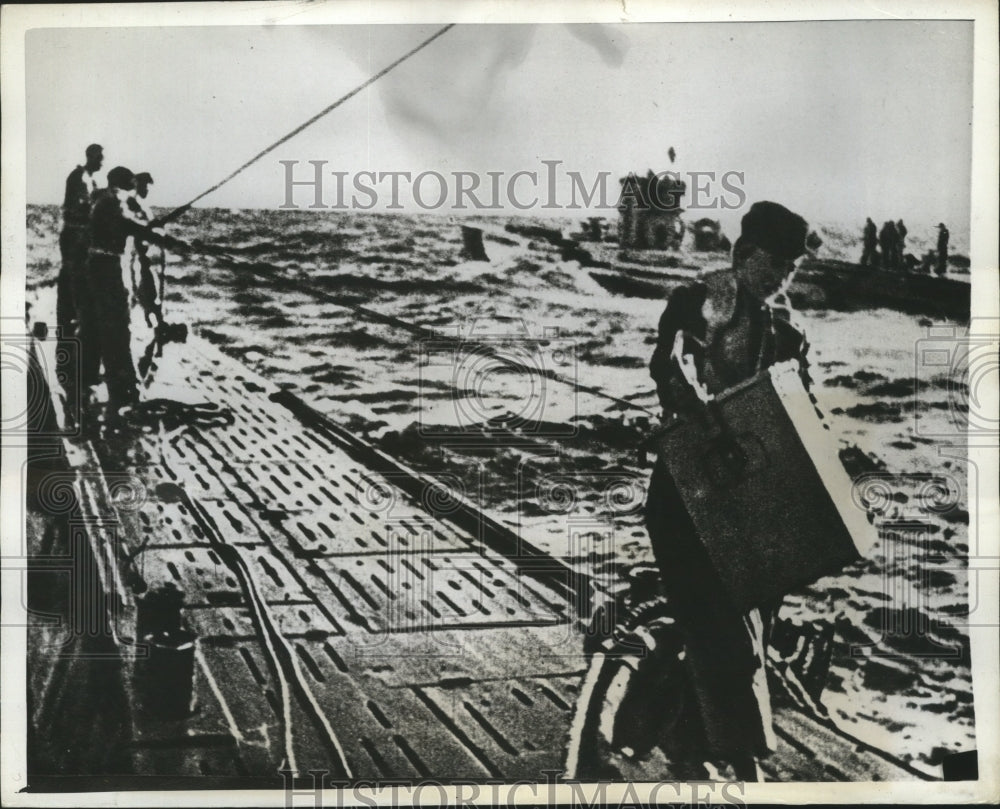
143	180
724	324
713	335
81	185
105	334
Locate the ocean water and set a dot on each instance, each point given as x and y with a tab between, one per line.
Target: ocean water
561	463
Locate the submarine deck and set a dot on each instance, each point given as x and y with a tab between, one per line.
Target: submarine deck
351	615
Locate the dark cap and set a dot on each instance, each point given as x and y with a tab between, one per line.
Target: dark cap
119	176
774	228
144	177
941	224
94	149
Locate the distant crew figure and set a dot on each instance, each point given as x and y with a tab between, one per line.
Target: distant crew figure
714	334
144	287
869	255
71	292
104	329
901	232
888	237
942	249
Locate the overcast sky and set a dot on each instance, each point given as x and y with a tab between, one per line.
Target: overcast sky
838	120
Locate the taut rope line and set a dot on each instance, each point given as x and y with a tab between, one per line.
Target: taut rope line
272	273
183	208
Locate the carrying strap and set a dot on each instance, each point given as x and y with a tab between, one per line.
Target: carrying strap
721	442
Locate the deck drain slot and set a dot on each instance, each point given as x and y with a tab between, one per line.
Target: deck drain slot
381	586
377	713
476	582
521	697
335	658
270	571
493	733
255	672
411	756
554	698
376	756
280	485
235	523
330	496
457	609
360	590
310	663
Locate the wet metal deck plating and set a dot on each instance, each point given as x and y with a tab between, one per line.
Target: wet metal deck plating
331	607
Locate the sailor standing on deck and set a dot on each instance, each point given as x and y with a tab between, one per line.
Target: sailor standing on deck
71	292
713	335
869	256
144	289
901	232
888	239
942	249
104	330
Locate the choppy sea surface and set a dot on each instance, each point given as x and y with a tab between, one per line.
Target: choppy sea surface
541	454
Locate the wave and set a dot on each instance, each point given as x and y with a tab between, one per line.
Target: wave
403	286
